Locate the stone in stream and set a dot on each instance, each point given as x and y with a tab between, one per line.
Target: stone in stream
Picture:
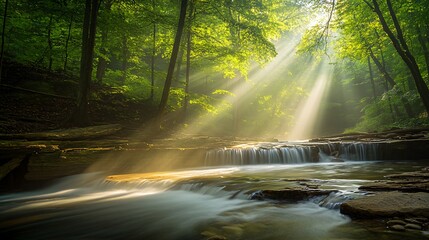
294	194
397	227
387	205
413	220
413	226
396	222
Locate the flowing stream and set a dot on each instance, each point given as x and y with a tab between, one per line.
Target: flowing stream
210	202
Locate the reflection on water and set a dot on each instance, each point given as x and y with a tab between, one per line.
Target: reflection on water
194	204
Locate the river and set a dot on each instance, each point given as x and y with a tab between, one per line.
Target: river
212	202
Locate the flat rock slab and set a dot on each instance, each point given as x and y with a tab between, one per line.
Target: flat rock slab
403	186
405	182
388	204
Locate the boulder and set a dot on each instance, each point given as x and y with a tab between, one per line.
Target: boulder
388	204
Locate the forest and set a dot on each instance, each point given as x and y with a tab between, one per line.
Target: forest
214	119
232	67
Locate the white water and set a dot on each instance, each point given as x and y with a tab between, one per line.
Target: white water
291	153
196	204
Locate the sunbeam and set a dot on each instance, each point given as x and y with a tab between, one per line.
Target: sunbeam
308	112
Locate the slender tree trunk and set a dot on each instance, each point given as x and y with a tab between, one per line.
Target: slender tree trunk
173	59
188	57
125	54
102	61
152	64
371	77
394	111
2	38
188	69
66	56
80	116
402	49
423	43
381	67
179	65
50	43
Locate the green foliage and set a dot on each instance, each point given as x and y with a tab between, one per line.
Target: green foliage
361	36
230	39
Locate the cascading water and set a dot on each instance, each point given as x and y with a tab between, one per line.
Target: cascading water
248	155
280	153
360	151
211	202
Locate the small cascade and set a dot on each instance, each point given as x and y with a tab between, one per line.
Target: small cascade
335	199
286	153
360	151
250	155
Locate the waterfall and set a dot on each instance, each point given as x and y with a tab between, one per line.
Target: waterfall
281	153
360	151
250	155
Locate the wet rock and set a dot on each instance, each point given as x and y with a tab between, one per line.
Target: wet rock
413	220
335	159
294	195
212	236
421	219
413	226
410	175
404	186
396	222
387	205
397	228
417	181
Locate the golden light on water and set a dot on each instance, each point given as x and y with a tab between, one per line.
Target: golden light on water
172	176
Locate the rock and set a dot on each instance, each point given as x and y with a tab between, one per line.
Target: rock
421	219
396	222
212	236
412	220
293	194
404	186
413	226
9	166
397	228
408	175
388	205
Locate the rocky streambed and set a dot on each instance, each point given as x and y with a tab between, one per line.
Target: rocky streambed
396	198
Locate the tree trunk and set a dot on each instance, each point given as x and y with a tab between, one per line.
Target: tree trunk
392	106
50	43
80	116
102	61
125	54
2	37
423	44
389	79
188	58
66	56
173	59
371	77
152	64
402	49
179	66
